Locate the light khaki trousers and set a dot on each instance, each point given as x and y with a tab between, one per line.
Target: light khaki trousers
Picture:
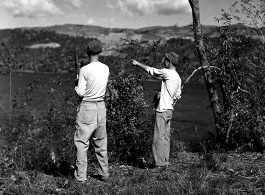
91	121
161	142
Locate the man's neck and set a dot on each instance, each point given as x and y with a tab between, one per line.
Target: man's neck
94	58
171	67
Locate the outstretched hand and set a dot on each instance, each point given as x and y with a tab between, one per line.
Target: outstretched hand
134	62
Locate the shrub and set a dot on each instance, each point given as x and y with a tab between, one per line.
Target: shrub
44	141
237	69
129	127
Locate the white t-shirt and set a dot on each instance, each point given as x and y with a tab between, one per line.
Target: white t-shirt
170	87
92	83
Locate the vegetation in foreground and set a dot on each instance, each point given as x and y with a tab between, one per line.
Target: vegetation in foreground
189	173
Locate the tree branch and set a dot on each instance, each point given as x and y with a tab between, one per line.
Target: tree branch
5	110
245	91
201	67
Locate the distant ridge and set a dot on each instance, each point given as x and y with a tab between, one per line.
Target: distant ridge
143	34
112	37
50	49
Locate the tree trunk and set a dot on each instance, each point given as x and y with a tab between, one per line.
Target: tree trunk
212	92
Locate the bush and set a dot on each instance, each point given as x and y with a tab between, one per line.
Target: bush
237	69
129	127
44	141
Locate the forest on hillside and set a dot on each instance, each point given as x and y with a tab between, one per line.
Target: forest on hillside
42	59
62	60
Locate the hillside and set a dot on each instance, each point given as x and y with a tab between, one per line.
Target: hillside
50	49
111	37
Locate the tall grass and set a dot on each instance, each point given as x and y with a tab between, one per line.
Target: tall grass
187	174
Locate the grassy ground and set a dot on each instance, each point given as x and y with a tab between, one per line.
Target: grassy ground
189	173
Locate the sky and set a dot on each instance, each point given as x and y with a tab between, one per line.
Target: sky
107	13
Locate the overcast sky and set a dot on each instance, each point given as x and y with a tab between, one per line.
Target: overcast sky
106	13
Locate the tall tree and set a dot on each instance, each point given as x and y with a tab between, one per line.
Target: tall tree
213	95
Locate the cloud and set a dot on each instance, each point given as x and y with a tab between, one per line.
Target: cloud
145	7
91	21
31	8
169	7
75	3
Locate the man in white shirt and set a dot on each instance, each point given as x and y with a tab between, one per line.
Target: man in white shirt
170	90
91	115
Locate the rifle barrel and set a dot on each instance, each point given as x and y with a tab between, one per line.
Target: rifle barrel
77	65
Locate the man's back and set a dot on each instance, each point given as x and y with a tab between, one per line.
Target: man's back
93	80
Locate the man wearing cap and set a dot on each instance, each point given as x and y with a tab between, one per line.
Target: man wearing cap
91	115
170	90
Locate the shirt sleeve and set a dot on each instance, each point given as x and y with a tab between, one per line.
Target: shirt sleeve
81	87
178	94
160	73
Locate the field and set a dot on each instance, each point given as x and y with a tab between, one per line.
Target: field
192	117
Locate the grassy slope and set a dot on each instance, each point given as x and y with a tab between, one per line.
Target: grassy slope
228	173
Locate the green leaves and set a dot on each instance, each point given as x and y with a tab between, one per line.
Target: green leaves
128	133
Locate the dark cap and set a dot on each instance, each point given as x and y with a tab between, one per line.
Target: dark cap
173	57
94	47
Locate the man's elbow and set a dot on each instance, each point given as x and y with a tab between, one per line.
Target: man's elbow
79	93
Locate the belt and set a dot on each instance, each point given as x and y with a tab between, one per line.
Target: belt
98	101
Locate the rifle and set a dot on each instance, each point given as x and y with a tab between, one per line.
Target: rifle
77	69
77	64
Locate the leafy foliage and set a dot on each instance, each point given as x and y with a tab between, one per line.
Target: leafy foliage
129	127
237	63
